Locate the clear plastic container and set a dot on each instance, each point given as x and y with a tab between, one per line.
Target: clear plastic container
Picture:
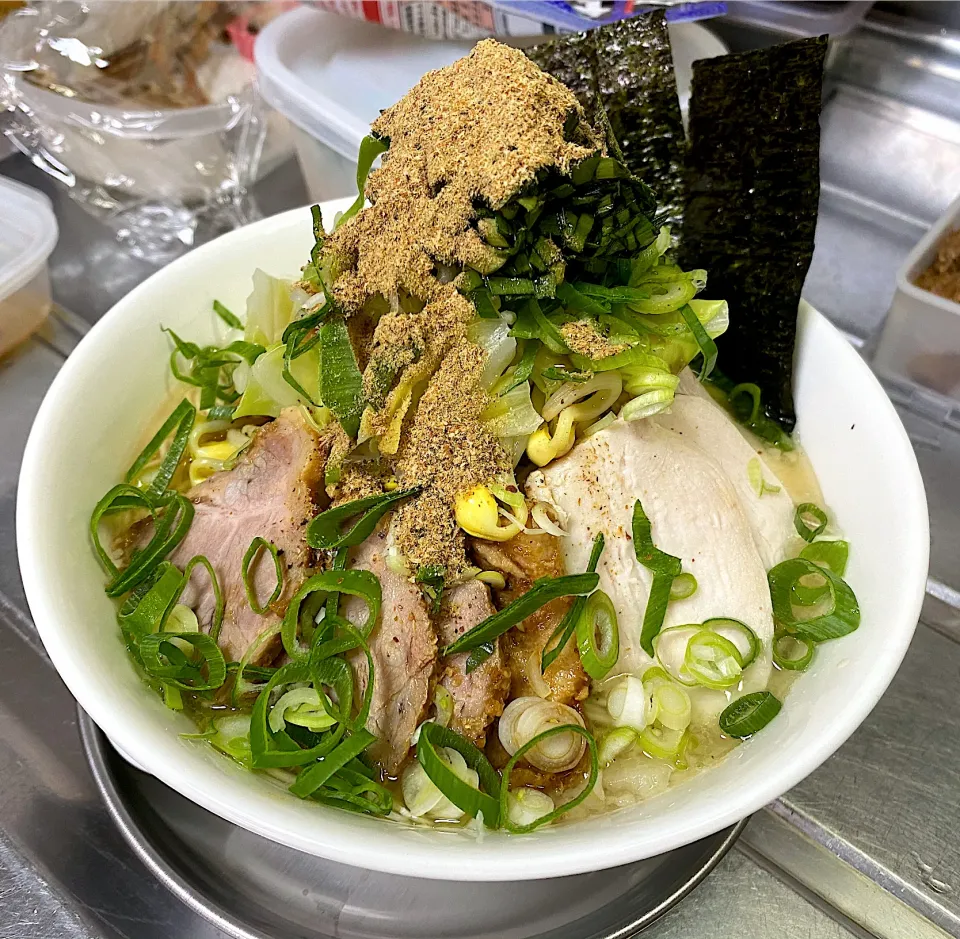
920	339
797	18
155	176
330	76
27	238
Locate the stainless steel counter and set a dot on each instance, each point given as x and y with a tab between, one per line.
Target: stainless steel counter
866	846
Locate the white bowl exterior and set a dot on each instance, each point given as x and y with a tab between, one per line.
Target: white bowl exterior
104	404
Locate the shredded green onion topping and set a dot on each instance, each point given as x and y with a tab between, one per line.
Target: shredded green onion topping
473	802
809	520
249	587
567	626
598	635
326	531
749	714
561	809
841	618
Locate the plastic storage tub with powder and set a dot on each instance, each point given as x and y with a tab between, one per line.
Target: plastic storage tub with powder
920	339
27	238
331	75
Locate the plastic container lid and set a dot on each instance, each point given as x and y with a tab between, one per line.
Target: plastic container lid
27	237
332	75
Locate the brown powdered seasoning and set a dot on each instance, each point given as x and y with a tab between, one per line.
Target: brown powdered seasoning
474	132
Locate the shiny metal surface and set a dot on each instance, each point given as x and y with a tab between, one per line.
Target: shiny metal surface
255	889
866	846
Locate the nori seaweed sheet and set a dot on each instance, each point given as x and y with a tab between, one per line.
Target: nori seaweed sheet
627	67
752	189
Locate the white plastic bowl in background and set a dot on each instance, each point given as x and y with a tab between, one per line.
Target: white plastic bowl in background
109	396
920	338
331	75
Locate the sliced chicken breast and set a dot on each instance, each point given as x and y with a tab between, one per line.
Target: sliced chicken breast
702	423
696	515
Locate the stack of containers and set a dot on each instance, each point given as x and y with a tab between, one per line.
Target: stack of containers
27	239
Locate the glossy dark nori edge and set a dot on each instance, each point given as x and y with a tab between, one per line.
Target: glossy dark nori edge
752	194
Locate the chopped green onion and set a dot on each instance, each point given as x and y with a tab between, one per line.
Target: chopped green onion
182	419
326	532
144	610
523	369
327	766
163	659
627	703
670	648
665	568
547	332
615	743
119	498
712	661
341	383
505	820
559	373
527	805
684	585
662	743
830	554
708	348
357	583
370	149
269	749
598	636
755	476
740	634
219	602
541	593
229	318
580	302
169	530
842	618
250	587
567	626
655	611
483	303
809	520
670	704
240	685
791	653
749	714
431	579
510	286
465	797
647	553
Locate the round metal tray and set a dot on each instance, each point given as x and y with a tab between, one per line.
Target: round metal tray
252	888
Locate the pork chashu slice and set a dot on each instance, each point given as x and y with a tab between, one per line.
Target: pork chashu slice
478	696
272	493
403	645
522	560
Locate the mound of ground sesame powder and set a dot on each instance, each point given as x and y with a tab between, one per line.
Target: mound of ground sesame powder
473	133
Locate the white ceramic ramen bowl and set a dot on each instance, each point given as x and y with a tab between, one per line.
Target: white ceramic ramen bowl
107	400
